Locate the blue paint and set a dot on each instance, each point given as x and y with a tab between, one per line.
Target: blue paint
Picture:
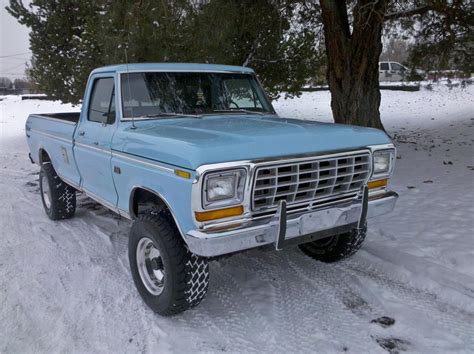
190	142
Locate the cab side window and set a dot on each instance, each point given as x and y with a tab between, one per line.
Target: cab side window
396	67
384	66
102	102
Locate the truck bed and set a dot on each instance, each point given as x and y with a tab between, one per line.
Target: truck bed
72	117
53	133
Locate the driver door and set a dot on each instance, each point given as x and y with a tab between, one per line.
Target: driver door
93	140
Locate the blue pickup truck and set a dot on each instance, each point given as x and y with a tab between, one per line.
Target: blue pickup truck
196	156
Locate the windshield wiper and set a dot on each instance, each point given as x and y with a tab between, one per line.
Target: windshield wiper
239	110
170	115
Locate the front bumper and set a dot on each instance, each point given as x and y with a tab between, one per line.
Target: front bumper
284	230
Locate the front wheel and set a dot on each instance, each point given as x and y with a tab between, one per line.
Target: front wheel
335	248
169	278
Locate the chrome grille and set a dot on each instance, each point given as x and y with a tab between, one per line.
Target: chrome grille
310	181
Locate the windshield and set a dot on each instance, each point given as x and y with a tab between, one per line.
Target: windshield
165	94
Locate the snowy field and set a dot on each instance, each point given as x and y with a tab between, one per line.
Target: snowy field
66	286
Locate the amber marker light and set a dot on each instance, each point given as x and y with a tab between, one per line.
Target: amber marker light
183	174
219	214
377	184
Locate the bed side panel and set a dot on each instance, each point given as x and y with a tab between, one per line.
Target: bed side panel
55	137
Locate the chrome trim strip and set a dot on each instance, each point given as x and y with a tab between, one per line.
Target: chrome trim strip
98	199
143	161
282	159
106	204
250	72
39	116
51	136
124	213
200	116
118	95
68	181
94	148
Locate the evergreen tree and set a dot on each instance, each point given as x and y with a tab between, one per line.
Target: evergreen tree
443	34
281	39
63	42
262	34
70	38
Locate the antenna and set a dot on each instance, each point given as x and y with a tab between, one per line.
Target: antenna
128	87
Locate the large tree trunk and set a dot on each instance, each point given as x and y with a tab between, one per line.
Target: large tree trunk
353	69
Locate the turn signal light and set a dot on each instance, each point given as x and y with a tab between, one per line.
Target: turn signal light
183	174
377	184
219	214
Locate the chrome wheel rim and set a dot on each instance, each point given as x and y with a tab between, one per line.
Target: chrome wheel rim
150	266
46	191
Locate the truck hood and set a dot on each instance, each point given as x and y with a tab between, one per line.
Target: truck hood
192	142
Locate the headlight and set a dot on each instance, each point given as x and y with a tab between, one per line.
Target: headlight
223	188
383	163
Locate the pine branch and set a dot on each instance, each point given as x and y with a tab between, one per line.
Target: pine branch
416	11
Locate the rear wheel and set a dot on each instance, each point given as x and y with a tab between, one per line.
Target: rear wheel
169	278
335	248
59	199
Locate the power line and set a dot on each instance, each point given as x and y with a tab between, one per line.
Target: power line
14	55
13	74
16	66
15	58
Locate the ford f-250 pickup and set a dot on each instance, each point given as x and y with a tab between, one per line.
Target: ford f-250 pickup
196	156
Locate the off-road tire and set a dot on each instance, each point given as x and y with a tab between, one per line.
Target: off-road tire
62	196
186	275
335	248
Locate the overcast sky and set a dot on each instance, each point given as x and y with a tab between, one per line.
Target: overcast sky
13	43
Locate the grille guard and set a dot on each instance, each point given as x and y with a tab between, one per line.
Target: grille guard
280	218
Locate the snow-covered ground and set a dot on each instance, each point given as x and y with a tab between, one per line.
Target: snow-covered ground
66	286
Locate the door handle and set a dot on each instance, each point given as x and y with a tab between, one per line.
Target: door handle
82	133
96	143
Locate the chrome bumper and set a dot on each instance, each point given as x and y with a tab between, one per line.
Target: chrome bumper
284	230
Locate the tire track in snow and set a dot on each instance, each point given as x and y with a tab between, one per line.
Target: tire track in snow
307	312
454	320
